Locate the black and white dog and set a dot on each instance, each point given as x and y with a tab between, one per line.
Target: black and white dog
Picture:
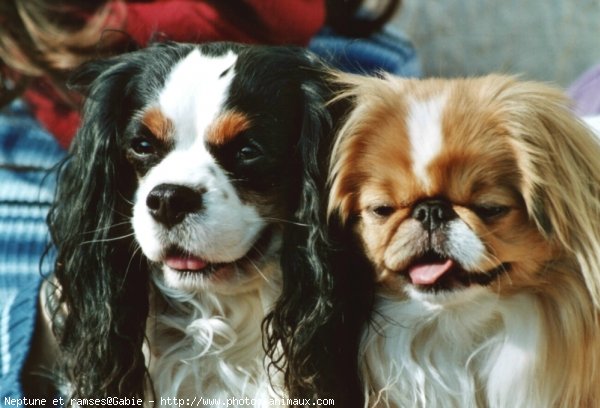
194	175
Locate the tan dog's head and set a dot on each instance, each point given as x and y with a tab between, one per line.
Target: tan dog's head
454	187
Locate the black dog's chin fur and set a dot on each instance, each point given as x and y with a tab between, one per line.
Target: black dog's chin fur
105	280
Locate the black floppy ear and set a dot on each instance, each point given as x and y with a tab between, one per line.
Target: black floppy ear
103	288
304	334
82	79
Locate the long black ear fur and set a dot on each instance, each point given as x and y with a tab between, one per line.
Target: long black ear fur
309	335
103	298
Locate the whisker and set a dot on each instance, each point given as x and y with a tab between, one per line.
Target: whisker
286	221
128	201
258	270
493	259
259	252
107	227
131	258
122	214
217	186
95	241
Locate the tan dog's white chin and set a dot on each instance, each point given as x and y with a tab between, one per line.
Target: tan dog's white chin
440	262
438	279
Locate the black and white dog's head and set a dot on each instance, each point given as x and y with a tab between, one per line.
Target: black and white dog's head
213	148
204	156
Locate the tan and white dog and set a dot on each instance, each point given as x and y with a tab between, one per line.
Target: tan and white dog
477	204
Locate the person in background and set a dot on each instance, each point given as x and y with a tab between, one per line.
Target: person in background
43	41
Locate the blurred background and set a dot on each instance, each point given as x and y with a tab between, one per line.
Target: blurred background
548	40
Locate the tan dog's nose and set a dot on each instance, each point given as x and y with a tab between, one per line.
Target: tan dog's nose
433	213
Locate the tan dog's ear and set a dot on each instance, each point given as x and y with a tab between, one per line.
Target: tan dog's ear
559	157
342	191
365	97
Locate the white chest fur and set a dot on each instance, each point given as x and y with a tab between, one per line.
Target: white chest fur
209	346
480	353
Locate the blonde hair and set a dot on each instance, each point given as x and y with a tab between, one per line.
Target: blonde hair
46	38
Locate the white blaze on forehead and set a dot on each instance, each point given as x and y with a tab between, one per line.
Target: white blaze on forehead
192	98
194	93
425	134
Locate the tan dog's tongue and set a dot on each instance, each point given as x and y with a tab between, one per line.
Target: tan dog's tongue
428	274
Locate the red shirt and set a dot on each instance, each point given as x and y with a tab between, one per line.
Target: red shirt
251	21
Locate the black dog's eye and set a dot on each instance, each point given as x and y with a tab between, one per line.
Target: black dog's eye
248	153
489	212
143	146
382	211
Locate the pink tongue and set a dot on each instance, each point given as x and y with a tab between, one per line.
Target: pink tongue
189	263
428	274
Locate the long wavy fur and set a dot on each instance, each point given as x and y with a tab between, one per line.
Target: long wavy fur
285	327
103	279
310	334
560	159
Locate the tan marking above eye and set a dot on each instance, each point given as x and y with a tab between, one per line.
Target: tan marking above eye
226	127
157	123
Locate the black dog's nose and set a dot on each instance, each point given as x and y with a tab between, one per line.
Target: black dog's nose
433	213
170	203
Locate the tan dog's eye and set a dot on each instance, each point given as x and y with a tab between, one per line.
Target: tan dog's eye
490	212
382	211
